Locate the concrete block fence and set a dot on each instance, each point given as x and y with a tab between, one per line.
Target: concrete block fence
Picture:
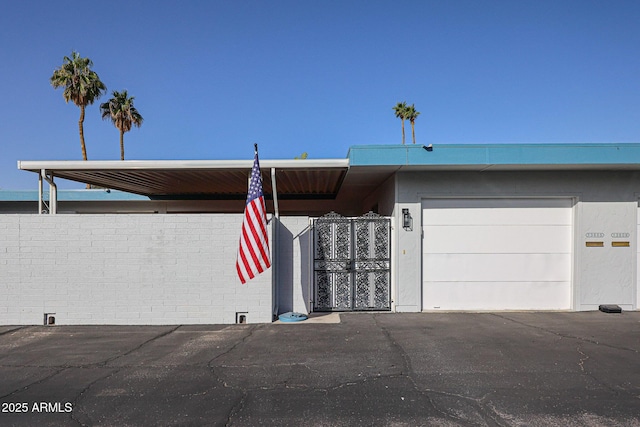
132	269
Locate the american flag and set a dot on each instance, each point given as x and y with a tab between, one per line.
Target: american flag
253	250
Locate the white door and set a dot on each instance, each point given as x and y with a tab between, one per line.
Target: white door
497	254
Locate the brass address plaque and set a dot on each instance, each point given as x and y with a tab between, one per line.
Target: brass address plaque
600	244
620	244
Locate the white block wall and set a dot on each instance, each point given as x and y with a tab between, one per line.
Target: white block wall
126	269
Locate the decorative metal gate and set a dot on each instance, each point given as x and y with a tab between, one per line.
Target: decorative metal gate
352	263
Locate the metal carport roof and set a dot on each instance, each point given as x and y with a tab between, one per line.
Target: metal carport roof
201	178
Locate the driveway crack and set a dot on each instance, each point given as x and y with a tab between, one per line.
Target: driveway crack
41	380
13	330
562	335
150	340
252	330
490	416
583	356
236	408
103	364
583	359
76	409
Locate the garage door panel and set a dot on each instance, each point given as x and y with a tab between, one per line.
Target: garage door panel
494	238
497	267
495	203
502	216
497	212
492	254
498	296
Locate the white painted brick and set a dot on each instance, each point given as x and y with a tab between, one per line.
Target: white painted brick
125	269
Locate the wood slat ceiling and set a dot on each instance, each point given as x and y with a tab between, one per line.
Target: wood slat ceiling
214	183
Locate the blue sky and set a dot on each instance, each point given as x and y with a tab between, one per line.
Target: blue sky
212	77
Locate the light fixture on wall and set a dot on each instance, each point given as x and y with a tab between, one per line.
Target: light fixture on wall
407	221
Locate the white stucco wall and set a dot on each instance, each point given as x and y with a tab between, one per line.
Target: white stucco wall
406	270
605	201
606	274
126	269
293	277
383	198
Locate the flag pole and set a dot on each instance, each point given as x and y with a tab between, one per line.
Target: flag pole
275	233
253	248
275	229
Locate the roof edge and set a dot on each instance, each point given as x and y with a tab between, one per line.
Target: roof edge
496	154
37	165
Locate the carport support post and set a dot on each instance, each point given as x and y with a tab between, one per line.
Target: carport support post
274	246
40	195
53	192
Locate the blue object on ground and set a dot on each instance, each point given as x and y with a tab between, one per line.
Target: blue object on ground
292	317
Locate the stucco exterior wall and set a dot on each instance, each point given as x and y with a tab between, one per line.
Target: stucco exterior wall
383	198
126	269
606	274
293	274
407	268
605	202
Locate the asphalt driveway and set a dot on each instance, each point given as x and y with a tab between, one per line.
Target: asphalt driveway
449	369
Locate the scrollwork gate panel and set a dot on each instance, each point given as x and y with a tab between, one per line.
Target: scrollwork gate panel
352	263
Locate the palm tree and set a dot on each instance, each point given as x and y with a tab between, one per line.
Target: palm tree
122	113
401	112
81	85
412	114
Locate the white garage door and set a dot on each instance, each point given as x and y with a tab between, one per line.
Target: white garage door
497	254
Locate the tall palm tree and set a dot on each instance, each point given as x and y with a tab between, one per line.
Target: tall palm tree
412	115
401	112
122	113
81	85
